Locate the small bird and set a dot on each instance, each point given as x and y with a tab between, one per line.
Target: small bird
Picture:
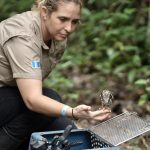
106	98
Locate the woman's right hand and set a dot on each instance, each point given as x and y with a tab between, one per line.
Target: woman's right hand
85	112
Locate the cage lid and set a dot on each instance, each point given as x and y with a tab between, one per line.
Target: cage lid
121	128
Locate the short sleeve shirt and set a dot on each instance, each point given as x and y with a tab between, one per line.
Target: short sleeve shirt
23	53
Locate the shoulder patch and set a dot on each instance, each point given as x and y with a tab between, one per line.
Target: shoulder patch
36	64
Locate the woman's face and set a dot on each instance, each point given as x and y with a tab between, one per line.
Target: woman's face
60	23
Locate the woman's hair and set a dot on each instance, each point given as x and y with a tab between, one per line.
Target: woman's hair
52	5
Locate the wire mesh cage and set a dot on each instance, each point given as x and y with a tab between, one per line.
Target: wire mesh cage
87	139
104	136
121	128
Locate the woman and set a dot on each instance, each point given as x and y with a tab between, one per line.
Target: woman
31	44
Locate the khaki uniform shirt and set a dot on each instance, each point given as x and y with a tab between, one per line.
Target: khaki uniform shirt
23	54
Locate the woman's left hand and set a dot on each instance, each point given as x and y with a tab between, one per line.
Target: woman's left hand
85	112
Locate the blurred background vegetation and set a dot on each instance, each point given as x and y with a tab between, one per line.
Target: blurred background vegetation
110	50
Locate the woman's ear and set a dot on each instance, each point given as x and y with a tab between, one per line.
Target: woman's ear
44	12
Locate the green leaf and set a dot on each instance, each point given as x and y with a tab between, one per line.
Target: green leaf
142	82
148	89
143	100
132	76
136	60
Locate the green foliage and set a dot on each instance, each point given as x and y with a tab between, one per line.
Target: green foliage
144	84
62	84
113	39
11	7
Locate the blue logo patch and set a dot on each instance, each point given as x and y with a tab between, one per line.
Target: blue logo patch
36	64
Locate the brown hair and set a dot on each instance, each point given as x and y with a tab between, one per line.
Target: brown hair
52	5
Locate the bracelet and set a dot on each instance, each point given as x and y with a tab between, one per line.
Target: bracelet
74	116
64	110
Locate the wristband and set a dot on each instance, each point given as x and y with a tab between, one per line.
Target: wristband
74	116
64	110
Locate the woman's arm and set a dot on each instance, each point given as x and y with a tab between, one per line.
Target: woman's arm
31	91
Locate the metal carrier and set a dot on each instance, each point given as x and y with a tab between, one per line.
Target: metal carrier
104	136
